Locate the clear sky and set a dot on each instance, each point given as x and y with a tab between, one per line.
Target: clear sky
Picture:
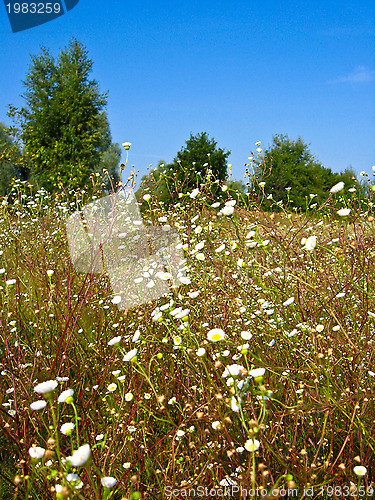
242	72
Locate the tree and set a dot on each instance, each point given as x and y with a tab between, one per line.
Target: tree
290	164
238	190
188	169
155	182
110	153
65	130
11	162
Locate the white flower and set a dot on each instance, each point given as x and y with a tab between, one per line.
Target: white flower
38	405
80	456
108	482
129	397
65	395
147	197
194	193
184	280
10	282
112	387
250	234
337	187
46	387
309	243
359	470
126	145
233	370
36	452
227	210
193	295
164	276
130	355
115	340
201	352
246	335
180	433
234	405
50	272
67	428
288	302
99	437
252	445
198	230
136	336
157	316
258	372
320	328
215	335
200	256
216	425
343	212
116	299
72	478
220	248
127	465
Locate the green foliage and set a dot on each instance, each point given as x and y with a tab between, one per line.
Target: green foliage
290	164
110	153
198	159
237	190
158	182
64	128
11	164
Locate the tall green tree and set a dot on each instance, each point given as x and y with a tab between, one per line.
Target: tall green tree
65	130
200	155
289	163
189	168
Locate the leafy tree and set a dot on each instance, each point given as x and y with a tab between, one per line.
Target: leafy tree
155	182
65	130
188	170
11	162
290	164
237	190
110	153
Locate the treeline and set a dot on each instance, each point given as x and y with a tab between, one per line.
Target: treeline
61	137
285	175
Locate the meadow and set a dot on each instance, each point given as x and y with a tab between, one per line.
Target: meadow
252	379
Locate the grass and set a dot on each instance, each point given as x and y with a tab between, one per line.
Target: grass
284	401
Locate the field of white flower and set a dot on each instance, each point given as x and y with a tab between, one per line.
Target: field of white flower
256	372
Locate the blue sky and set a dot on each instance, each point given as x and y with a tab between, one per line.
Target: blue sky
242	72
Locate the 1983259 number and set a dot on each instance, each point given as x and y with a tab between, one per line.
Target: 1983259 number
34	8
